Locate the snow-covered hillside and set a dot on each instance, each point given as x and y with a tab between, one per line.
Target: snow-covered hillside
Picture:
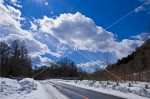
27	89
136	91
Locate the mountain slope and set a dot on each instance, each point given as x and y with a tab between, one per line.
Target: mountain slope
133	67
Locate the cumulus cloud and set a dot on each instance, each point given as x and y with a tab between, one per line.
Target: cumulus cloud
34	46
91	66
142	36
53	44
76	30
16	3
41	61
10	29
9	16
126	47
33	26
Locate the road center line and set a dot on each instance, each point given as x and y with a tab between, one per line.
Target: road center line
75	93
70	90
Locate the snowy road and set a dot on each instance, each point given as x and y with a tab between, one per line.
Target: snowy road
79	93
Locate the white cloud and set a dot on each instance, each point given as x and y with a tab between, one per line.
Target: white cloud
10	29
144	7
52	43
142	36
126	47
140	8
76	30
40	61
9	16
91	66
16	3
34	46
33	26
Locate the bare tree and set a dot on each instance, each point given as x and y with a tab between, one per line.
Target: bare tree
4	57
107	58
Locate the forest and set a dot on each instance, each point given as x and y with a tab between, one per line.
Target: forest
15	61
134	67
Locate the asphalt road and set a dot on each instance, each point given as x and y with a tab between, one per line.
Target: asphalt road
74	92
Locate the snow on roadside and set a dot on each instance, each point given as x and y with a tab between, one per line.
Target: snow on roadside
24	89
8	87
55	94
122	90
27	85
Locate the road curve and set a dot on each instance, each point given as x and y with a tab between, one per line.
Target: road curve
74	92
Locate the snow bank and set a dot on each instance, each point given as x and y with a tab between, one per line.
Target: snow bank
136	88
8	86
27	85
13	89
27	88
136	91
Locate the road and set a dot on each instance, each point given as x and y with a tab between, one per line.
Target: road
74	92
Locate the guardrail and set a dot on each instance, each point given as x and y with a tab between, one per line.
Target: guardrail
67	78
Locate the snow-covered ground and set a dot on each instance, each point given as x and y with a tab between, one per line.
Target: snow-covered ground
27	89
137	91
32	89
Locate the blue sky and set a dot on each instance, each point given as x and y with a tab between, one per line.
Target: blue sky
102	12
54	28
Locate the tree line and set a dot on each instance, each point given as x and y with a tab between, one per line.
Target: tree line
15	61
63	68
